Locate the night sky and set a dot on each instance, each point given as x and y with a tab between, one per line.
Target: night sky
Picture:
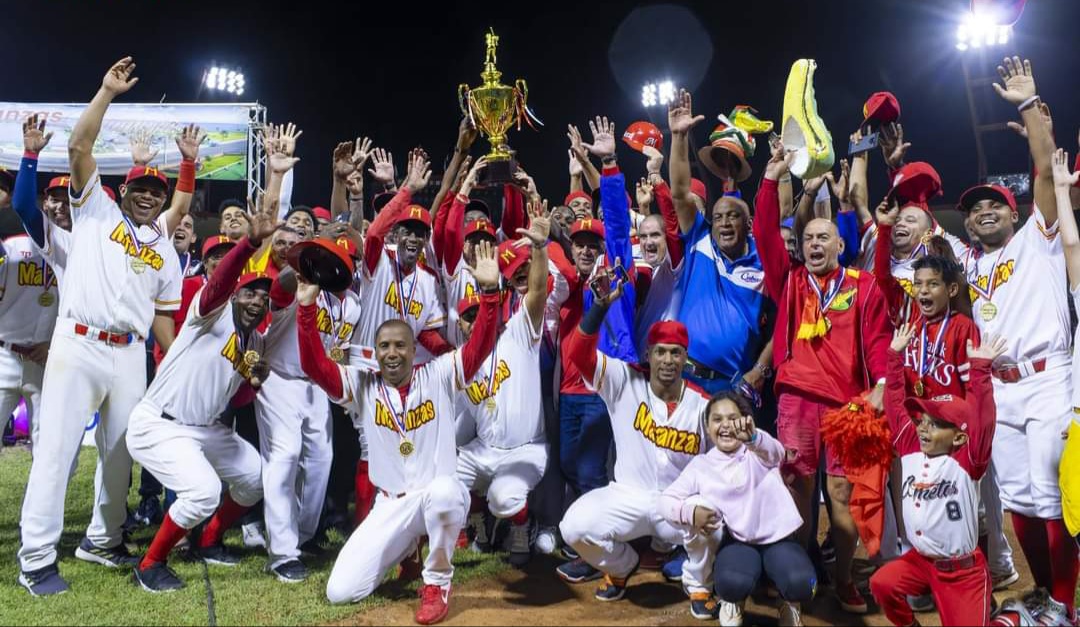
392	73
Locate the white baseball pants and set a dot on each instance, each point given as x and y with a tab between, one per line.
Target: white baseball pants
390	533
295	430
20	378
508	475
193	461
82	376
602	522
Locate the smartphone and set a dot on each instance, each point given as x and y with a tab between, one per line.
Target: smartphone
607	281
868	142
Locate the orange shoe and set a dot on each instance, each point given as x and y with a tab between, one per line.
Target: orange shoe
434	604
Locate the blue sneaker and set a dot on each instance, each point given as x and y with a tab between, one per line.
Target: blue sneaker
44	581
614	588
578	571
672	570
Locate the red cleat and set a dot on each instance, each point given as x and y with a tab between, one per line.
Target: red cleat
434	604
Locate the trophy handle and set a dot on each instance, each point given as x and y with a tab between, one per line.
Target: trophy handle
521	93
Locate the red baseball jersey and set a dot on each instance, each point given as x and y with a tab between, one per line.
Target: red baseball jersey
941	353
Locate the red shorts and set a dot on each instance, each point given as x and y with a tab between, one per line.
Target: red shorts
798	427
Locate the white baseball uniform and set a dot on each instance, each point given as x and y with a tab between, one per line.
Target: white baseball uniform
383	290
459	284
653	443
419	492
1008	287
116	276
295	426
509	454
28	304
174	432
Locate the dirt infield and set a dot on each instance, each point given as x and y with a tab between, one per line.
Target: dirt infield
537	597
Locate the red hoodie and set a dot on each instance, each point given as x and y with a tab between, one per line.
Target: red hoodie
852	356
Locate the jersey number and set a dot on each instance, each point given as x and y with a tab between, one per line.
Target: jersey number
952	510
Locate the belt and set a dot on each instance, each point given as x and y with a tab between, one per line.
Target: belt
168	417
1015	372
953	564
18	349
701	371
391	496
119	339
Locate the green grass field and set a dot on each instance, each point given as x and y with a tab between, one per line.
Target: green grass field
242	596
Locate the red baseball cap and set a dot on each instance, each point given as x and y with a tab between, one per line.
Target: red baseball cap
669	332
322	213
697	188
349	246
252	277
482	227
954	410
146	172
986	191
916	183
416	213
881	107
578	194
469	302
323	261
641	134
588	225
64	180
214	242
513	255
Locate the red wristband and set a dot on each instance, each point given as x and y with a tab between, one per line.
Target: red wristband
186	182
27	154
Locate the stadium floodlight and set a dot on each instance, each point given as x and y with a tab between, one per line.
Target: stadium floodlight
223	79
661	93
980	29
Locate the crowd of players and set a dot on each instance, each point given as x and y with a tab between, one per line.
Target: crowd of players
638	378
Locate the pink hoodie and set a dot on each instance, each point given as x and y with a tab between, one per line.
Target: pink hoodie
743	487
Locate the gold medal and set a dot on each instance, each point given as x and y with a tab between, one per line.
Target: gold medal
46	299
337	355
251	358
919	388
490	403
988	311
406	448
138	265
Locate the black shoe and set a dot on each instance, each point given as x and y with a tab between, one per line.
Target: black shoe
292	571
216	554
158	578
114	557
312	548
44	581
150	511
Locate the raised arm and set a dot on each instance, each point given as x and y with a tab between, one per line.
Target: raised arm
465	138
342	167
118	80
24	197
221	283
486	330
417	178
680	120
1070	238
858	188
905	440
313	358
516	196
187	142
981	392
453	237
662	194
584	341
766	227
1019	91
577	151
887	213
537	234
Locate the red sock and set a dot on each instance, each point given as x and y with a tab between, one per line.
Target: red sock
1064	562
227	514
365	493
1031	533
521	517
168	534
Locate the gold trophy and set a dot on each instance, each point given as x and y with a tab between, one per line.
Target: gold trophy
492	109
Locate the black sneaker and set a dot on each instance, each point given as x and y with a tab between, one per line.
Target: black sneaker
216	554
115	557
312	548
157	578
44	581
150	511
292	571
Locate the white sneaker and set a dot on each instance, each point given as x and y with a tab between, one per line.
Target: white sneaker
1004	580
253	535
788	616
731	614
546	541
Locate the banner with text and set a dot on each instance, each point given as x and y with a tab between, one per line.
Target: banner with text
222	156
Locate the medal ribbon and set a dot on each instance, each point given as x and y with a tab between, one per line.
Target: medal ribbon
405	304
335	323
133	232
824	301
399	420
988	293
924	369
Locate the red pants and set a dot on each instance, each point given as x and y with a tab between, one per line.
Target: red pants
962	597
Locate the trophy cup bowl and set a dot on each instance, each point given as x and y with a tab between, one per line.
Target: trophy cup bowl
493	109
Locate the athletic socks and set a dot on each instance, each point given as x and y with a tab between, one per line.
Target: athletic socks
227	514
1064	562
164	540
1031	533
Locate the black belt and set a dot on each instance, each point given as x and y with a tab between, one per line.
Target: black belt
701	371
168	416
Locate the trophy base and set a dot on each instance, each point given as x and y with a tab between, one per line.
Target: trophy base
498	172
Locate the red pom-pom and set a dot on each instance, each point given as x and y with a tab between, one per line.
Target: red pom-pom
857	435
